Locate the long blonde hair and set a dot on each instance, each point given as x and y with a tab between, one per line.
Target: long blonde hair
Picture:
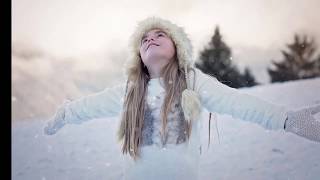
130	130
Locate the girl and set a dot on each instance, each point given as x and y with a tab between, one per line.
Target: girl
160	105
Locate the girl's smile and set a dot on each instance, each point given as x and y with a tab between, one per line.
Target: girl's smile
152	43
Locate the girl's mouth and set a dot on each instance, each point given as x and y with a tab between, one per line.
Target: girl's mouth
151	45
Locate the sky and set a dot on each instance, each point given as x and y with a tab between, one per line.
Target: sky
255	30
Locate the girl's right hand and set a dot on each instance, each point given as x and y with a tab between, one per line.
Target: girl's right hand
56	122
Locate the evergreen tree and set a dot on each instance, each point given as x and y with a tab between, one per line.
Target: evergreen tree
216	60
298	62
248	78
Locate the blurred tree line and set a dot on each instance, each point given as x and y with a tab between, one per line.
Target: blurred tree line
298	63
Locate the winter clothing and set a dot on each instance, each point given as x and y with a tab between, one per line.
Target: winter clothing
175	161
214	96
303	123
177	34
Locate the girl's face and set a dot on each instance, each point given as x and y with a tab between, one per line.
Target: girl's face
156	49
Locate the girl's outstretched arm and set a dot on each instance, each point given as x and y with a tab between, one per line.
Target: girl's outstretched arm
106	103
217	97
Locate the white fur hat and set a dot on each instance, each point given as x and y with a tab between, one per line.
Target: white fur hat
190	100
177	34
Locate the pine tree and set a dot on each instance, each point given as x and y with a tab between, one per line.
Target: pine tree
216	60
249	79
298	62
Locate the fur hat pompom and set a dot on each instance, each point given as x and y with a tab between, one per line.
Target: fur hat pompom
190	103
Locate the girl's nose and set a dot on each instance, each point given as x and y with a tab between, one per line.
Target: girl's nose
151	38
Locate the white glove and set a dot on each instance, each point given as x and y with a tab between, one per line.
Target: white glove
303	123
57	121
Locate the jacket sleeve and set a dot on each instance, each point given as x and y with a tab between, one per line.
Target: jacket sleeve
217	97
106	103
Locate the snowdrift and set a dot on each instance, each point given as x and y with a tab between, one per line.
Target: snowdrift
242	151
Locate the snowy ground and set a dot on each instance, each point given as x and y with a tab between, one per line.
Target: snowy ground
245	151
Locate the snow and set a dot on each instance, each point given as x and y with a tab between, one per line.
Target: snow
245	151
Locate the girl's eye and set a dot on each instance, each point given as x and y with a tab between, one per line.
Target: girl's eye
160	35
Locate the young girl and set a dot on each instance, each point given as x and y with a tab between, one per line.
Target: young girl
160	105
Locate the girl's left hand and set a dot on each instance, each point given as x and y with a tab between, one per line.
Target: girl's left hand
303	123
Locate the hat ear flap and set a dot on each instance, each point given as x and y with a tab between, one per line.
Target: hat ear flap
190	103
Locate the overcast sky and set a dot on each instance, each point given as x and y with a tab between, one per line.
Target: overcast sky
255	30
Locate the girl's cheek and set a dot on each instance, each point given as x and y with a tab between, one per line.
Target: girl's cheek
141	48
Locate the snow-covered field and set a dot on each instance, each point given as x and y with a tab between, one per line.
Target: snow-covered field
245	151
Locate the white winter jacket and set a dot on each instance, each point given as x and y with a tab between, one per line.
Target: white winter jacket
177	161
